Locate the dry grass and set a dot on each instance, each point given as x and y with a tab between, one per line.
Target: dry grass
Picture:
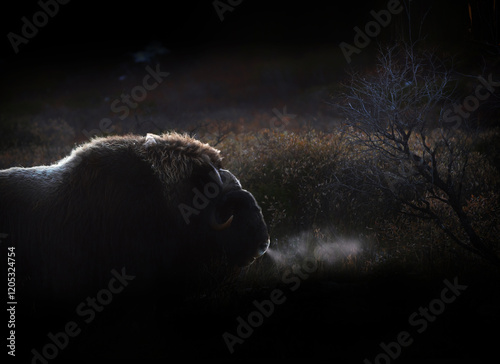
294	175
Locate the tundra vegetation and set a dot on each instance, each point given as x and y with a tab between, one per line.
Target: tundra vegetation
373	178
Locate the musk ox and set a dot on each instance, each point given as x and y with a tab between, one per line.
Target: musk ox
155	208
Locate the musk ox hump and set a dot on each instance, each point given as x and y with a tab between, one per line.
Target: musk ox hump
174	156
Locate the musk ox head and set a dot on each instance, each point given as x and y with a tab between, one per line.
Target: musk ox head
225	217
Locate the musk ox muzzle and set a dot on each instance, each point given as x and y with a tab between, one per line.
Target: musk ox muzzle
245	236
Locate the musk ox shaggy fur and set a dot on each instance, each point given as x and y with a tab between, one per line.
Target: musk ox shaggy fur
156	208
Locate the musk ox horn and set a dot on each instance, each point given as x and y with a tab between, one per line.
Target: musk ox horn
217	175
219	227
230	182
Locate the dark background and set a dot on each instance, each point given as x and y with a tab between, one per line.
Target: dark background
83	52
95	30
72	69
